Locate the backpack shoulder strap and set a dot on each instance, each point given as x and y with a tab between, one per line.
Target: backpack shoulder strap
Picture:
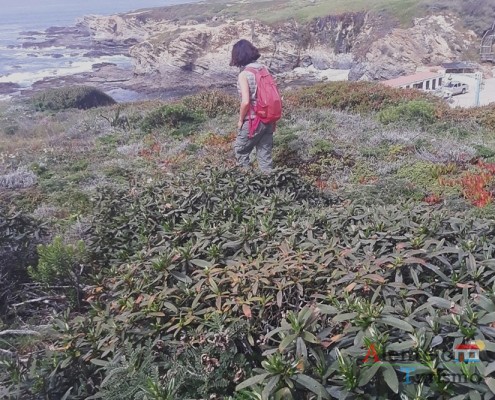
252	70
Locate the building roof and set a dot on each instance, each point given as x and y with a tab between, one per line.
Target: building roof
410	79
467	347
457	65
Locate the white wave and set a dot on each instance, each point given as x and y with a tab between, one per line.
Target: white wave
26	79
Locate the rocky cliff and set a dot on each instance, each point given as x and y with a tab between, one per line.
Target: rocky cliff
371	46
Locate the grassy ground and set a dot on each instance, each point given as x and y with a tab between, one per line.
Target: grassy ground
74	150
171	260
476	14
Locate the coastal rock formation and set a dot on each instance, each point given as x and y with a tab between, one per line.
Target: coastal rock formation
371	46
430	41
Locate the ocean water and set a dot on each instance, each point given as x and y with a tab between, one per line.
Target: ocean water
24	66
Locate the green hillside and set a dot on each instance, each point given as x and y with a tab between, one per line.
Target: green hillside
137	262
476	14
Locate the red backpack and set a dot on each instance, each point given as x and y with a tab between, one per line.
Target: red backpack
268	108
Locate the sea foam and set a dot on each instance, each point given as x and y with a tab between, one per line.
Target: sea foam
26	79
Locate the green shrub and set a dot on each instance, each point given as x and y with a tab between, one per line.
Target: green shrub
178	118
82	97
11	130
352	96
60	265
483	151
70	197
314	280
484	116
321	147
420	173
212	103
19	235
415	111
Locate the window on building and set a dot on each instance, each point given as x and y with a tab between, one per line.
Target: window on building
434	84
427	85
439	81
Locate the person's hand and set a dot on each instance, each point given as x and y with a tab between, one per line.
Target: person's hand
239	124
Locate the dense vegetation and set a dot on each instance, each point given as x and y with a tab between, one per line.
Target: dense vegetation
163	272
83	97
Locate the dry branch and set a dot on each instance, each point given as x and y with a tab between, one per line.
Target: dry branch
14	332
6	353
38	300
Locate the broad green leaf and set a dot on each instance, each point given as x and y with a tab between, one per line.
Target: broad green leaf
490	382
367	374
473	395
251	381
201	263
101	363
309	337
397	323
287	341
390	377
312	385
490	368
171	307
440	302
326	309
401	346
344	317
283	394
489	346
270	387
487	319
301	349
181	277
274	331
435	269
485	303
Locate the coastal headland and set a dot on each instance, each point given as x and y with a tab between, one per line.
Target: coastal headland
182	49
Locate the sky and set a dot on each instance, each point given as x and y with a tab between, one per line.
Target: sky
47	12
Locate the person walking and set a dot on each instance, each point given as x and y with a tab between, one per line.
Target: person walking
260	107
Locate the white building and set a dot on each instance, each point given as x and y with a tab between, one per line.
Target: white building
425	80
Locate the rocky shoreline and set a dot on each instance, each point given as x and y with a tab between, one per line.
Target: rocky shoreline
171	59
124	84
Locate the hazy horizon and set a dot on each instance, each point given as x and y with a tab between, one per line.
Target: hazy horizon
63	12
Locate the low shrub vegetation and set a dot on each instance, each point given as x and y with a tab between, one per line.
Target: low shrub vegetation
356	96
82	97
176	118
414	111
19	235
196	268
352	271
212	103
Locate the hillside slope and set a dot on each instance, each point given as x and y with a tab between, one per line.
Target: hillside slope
372	45
164	272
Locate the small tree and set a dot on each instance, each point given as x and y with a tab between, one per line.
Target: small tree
60	264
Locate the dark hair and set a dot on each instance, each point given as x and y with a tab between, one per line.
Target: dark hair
243	53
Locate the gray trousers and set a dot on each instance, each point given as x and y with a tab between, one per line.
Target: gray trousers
262	141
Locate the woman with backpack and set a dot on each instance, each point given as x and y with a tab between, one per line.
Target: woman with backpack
260	108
